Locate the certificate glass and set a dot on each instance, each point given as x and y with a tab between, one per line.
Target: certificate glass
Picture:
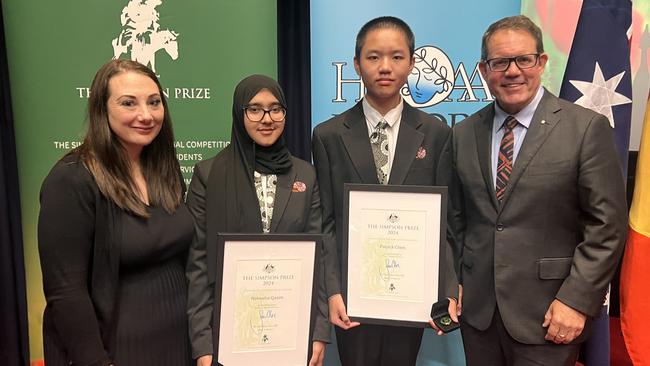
392	244
266	298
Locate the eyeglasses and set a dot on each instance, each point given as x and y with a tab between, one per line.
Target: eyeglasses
503	63
256	113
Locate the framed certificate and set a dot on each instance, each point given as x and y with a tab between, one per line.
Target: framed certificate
393	240
265	299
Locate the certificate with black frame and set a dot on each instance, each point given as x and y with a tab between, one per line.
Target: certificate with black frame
393	240
264	302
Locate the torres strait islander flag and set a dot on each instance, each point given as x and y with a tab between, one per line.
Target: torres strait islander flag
598	77
635	274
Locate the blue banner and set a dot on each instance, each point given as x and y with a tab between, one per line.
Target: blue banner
445	80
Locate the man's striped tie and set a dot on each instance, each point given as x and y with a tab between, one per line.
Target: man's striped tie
504	169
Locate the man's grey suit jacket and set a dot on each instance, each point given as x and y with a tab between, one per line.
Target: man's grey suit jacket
559	231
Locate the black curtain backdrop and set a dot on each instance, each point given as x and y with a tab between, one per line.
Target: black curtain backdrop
294	73
14	344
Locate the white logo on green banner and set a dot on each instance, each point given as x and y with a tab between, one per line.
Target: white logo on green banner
141	34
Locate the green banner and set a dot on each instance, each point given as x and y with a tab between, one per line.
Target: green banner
199	49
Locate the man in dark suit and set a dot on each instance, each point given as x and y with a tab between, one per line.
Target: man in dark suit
538	210
346	149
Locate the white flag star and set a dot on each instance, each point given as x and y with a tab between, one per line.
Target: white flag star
600	95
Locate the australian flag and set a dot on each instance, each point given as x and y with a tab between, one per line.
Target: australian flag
598	73
598	77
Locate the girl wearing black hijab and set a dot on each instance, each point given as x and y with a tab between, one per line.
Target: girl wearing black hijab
252	186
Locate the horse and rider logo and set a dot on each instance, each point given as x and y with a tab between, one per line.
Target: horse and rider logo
141	35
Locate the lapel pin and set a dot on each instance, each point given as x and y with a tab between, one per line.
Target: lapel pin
543	122
421	154
298	186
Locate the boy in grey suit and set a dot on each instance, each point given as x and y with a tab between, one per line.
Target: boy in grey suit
343	153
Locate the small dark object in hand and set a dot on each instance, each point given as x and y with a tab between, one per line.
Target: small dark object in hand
441	318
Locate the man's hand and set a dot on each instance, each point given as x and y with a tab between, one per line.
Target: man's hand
564	323
317	354
453	309
338	315
204	360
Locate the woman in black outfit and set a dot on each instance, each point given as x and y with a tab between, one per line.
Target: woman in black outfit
113	233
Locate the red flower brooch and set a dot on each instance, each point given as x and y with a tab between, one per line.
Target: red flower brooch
421	154
298	186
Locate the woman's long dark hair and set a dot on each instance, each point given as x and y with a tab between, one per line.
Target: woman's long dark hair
107	160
